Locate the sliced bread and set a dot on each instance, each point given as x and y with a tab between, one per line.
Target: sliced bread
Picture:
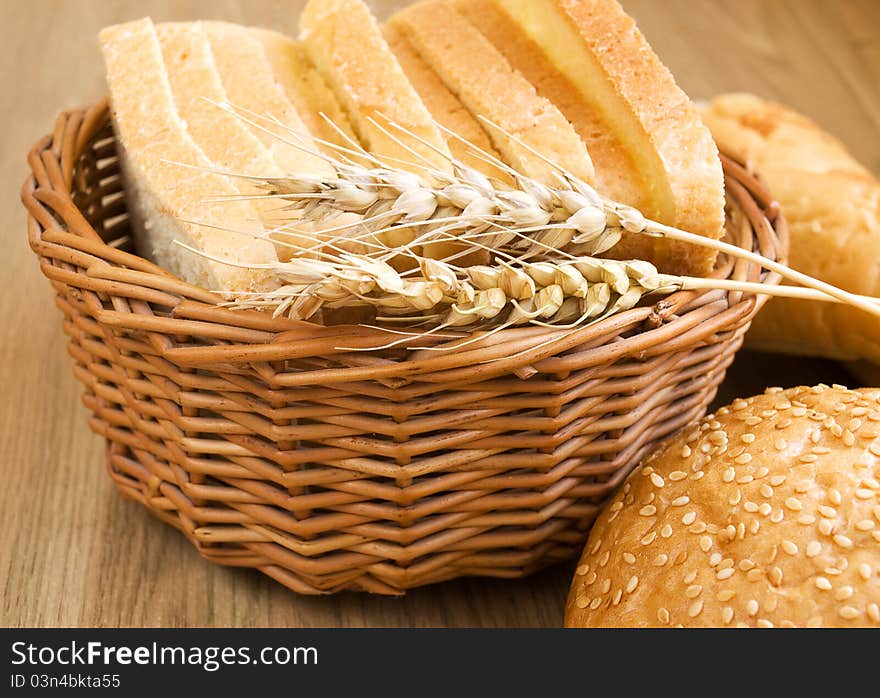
249	82
597	48
480	76
163	195
305	88
344	42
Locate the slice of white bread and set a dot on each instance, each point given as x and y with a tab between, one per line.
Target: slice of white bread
488	86
305	88
599	50
832	205
344	42
249	82
163	195
445	107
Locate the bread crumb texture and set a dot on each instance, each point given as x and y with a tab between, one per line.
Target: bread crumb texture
765	514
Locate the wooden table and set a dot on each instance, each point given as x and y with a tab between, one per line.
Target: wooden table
72	552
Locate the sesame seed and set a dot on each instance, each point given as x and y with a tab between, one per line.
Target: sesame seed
781	444
689	518
632	584
726	563
648	510
696	608
589	579
876	512
582	570
660	560
865	525
777	480
582	602
680	501
832	571
848	612
698	475
604	559
826	527
815	622
823	583
752	607
753	421
874	612
754	526
686	451
799	411
725	595
763	471
745	564
876	535
725	574
820	450
835	497
777	516
764	509
789	547
596	546
755	574
690	576
814	547
744	479
743	459
775	576
666	531
727	615
595	603
766	491
714	559
750	507
705	543
656	480
783	424
735	498
802	486
747	438
854	424
862	493
843	593
827	512
663	615
808	458
629	558
843	541
606	586
677	475
693	591
849	438
764	623
649	538
794	504
806	519
617	596
728	474
815	436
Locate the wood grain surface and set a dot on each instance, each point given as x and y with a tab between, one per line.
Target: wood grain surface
73	553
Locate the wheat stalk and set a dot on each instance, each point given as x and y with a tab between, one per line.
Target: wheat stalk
539	244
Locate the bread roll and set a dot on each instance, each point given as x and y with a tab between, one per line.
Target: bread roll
162	195
344	42
488	86
766	513
832	205
589	57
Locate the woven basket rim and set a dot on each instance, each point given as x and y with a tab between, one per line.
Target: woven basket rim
248	336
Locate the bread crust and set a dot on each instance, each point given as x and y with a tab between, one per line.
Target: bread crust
832	205
766	513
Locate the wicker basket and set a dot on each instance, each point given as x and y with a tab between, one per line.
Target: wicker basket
269	447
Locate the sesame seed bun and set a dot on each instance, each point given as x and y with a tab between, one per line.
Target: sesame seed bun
766	513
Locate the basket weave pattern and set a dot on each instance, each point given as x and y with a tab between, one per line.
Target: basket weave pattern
270	446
